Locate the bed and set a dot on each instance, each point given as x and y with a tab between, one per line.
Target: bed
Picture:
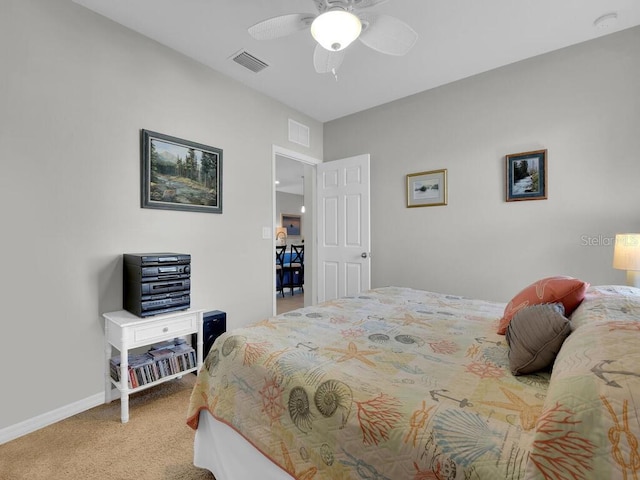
406	384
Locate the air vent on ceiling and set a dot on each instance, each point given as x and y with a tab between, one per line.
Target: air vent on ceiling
249	61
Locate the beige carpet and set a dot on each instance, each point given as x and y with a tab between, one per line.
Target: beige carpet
289	302
155	443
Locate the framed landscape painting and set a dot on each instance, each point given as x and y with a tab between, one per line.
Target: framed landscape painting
427	189
526	176
180	175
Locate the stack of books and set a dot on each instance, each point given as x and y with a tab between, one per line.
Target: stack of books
163	359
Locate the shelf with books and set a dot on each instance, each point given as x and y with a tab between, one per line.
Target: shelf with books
168	357
162	360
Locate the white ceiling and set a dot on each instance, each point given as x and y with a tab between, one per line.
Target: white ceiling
457	39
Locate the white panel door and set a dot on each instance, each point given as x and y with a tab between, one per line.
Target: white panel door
344	235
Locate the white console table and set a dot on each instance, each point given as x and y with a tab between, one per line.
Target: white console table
124	331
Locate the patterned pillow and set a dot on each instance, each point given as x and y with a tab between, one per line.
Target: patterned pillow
608	303
567	290
535	335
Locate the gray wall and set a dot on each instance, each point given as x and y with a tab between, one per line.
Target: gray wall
75	90
581	103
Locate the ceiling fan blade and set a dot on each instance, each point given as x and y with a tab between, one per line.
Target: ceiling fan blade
387	34
326	61
367	3
281	26
323	5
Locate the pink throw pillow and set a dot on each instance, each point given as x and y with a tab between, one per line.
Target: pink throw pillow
567	290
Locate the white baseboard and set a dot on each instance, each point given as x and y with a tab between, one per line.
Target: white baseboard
19	429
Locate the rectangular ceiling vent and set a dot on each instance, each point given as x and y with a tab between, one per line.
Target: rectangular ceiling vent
249	61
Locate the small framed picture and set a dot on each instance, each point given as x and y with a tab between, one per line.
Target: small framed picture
293	224
427	189
526	176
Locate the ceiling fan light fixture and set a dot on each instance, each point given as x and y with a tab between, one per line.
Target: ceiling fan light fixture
336	29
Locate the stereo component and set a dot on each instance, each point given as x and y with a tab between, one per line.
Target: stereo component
153	287
214	324
155	283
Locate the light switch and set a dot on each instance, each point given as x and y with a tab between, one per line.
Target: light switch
266	232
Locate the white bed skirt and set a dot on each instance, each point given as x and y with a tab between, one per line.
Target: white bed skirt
224	452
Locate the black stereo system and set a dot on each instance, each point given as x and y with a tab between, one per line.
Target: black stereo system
155	283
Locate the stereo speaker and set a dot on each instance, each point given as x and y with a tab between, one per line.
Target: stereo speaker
214	324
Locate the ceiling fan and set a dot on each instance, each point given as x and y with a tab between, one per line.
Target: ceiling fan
336	25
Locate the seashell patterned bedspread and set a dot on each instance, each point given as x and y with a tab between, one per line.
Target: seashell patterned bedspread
405	384
590	426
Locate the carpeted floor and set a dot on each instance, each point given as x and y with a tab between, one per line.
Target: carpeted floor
289	302
156	443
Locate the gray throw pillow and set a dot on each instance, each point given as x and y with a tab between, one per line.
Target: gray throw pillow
535	335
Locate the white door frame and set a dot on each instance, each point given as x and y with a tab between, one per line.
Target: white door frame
310	288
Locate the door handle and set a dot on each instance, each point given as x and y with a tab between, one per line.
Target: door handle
364	255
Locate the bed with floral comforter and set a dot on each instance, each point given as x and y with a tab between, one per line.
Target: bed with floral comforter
405	384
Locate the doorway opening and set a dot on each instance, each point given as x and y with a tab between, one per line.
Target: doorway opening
294	176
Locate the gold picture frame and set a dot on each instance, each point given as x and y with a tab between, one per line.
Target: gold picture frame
427	189
526	176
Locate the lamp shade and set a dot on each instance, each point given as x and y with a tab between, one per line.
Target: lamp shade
626	253
281	235
336	29
626	256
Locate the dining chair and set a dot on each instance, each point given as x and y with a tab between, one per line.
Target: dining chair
281	251
294	270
